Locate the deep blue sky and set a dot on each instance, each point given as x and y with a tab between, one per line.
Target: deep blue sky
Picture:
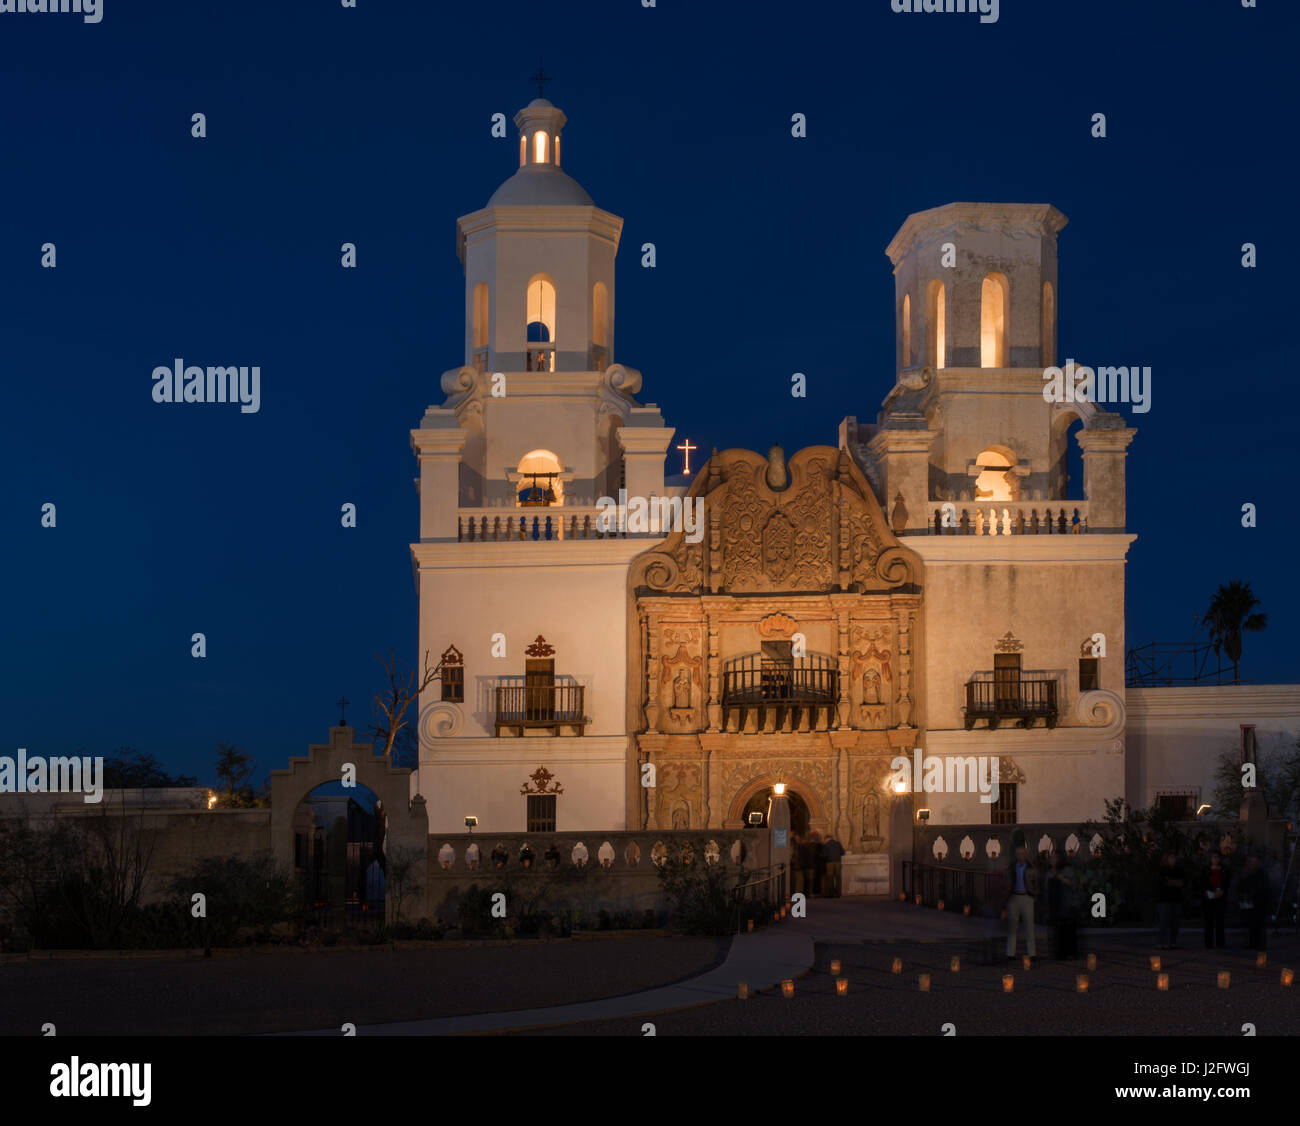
371	125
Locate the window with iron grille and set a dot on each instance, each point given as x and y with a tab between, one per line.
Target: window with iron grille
1004	809
453	683
1177	805
541	813
1089	674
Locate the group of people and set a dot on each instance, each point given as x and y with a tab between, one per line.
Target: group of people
815	864
1208	881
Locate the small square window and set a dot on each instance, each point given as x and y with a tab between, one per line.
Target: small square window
1089	674
1004	809
540	813
453	683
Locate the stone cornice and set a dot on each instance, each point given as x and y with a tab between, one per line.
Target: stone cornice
1226	701
537	219
439	443
645	439
510	554
487	750
1026	220
1014	742
1067	549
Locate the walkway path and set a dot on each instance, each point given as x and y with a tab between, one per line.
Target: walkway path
763	959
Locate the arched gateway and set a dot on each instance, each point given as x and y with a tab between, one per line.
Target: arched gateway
405	823
779	647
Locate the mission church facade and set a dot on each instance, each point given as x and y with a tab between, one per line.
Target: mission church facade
922	584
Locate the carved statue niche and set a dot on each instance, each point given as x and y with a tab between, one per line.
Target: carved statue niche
681	686
678	795
869	836
872	685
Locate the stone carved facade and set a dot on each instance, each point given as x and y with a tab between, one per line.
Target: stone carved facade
795	551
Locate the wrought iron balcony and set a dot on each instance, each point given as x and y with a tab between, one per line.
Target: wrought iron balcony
547	707
780	691
1025	699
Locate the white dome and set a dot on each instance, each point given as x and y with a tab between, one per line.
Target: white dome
540	185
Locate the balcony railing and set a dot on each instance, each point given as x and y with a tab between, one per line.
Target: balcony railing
541	357
522	525
1051	518
782	691
520	707
1025	700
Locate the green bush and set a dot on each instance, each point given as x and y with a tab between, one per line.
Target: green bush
699	897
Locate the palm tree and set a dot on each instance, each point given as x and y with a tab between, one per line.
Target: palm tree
1229	616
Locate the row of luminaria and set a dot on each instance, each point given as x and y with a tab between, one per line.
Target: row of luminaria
550	857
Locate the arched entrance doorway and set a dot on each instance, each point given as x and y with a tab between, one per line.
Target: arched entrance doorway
761	802
339	856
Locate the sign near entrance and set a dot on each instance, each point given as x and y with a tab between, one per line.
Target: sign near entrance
780	837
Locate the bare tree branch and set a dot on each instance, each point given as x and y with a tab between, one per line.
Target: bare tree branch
402	691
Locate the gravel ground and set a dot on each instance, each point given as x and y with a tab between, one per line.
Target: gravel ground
288	992
1122	997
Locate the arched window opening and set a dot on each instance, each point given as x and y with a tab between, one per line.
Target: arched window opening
936	317
599	327
907	330
1049	325
479	329
557	150
539	484
994	482
539	147
994	310
523	150
541	325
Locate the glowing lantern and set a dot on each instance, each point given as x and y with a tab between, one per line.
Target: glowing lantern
1008	983
1026	962
1081	983
842	986
898	965
1261	959
1092	963
1287	977
835	967
1225	979
924	982
1155	962
787	989
1162	982
742	992
954	964
940	905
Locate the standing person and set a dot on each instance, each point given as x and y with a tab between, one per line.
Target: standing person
1253	900
796	865
1169	900
834	856
819	864
1212	890
807	860
1022	880
1063	896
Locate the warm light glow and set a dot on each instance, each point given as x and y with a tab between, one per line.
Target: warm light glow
1288	976
779	789
966	910
599	314
480	315
940	905
1162	983
1026	962
541	305
993	322
936	316
1092	962
835	967
1225	979
1008	983
1049	325
923	982
1155	962
1081	983
842	986
918	899
900	787
539	147
787	989
994	482
212	800
907	330
1261	959
742	992
751	925
954	964
897	967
